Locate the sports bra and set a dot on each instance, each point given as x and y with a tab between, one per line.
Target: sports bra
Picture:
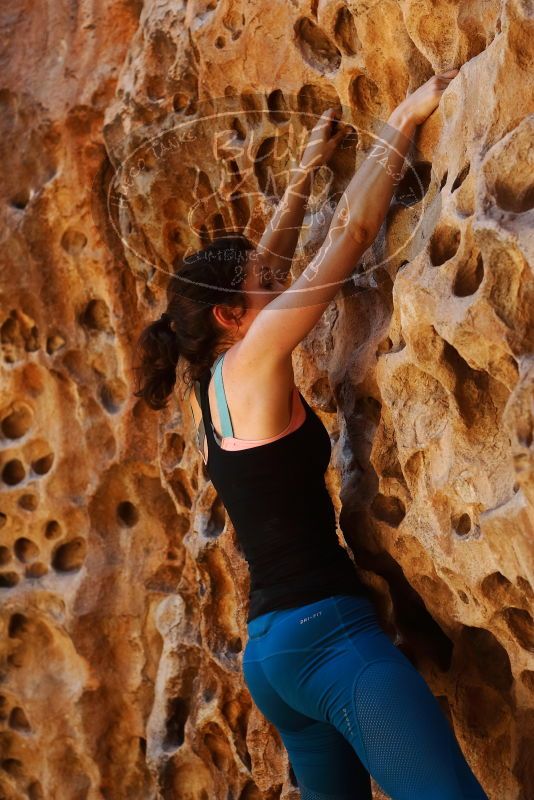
228	441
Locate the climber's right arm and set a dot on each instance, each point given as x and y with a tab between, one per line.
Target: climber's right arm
289	317
284	322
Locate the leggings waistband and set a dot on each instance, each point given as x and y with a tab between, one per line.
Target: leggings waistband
265	622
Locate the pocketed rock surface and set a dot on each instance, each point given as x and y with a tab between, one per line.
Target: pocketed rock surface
133	132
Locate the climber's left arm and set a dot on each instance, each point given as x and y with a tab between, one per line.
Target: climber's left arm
279	240
277	245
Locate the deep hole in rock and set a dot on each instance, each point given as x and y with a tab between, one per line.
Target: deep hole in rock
8	580
13	766
180	484
32	339
512	198
18	624
28	502
471	390
69	557
54	343
364	94
469	276
527	678
96	315
43	465
73	241
13	472
389	509
180	102
460	178
235	645
247	761
217	520
345	32
462	524
322	395
217	746
175	445
240	209
18	422
252	104
20	200
523	765
36	570
521	625
18	720
267	168
204	236
176	717
525	433
444	244
482	648
251	792
127	514
217	226
209	693
483	709
312	101
276	104
495	585
384	346
10	331
233	167
239	128
113	394
525	586
52	529
25	549
315	46
414	184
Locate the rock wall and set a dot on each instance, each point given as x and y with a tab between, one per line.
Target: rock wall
133	131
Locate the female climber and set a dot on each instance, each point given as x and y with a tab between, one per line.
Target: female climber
346	702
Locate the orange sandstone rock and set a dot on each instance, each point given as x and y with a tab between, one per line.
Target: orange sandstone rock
133	132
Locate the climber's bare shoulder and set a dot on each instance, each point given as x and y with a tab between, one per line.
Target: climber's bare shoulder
259	394
268	378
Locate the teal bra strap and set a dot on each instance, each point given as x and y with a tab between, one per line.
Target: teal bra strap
222	404
220	396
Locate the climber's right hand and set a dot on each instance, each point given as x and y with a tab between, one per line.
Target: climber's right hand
423	101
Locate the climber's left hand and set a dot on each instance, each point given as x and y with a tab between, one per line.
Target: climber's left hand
324	138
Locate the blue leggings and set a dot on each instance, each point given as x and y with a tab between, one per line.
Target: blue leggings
348	704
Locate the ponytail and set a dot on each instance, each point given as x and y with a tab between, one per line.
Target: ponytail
160	352
187	330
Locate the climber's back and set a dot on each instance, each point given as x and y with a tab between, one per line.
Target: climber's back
276	497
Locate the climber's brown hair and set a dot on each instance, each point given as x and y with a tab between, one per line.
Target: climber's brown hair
208	277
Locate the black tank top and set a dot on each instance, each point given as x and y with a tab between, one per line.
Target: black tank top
276	497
